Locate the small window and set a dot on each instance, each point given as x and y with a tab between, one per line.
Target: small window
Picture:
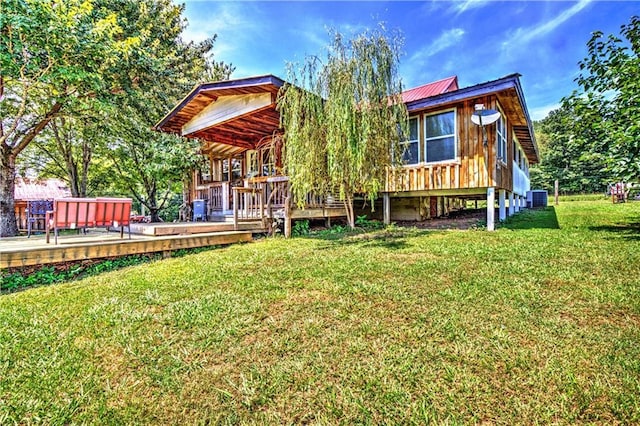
410	148
253	165
236	169
501	138
205	171
440	137
268	163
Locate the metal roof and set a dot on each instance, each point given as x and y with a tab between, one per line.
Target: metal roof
45	189
431	89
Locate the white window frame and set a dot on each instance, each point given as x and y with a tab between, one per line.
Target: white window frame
404	144
501	138
455	136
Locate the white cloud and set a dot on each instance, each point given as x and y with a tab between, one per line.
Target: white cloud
541	112
524	35
444	41
462	6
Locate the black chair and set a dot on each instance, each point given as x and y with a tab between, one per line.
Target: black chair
37	211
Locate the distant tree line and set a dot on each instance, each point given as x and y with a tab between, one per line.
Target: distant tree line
593	139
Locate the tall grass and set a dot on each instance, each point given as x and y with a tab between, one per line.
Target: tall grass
538	322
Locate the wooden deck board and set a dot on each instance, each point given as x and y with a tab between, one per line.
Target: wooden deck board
21	251
187	228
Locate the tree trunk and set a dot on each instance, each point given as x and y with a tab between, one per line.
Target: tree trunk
348	206
152	204
8	226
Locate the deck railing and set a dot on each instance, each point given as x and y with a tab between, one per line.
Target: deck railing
423	177
217	195
248	204
521	182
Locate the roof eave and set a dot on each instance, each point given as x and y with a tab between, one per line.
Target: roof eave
268	79
511	81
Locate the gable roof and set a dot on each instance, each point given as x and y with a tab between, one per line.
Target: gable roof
430	89
244	131
511	97
232	135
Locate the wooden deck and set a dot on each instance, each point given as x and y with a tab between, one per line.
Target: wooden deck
189	228
21	251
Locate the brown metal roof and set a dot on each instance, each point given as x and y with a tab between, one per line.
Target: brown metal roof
245	131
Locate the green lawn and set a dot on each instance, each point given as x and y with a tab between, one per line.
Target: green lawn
537	322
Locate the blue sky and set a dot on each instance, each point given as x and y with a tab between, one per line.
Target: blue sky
477	40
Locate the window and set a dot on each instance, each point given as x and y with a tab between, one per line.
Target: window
236	169
501	138
252	163
205	171
440	136
410	154
268	163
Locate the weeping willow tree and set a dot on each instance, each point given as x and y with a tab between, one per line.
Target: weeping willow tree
343	119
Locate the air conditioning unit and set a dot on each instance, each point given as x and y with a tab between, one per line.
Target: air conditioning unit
537	198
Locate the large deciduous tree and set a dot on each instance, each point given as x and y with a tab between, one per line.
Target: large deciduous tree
573	148
52	55
65	63
341	118
610	84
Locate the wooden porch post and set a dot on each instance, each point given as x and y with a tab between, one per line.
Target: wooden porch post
287	216
235	209
501	203
491	209
516	203
386	208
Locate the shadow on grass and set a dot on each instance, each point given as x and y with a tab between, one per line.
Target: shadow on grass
539	218
392	239
628	230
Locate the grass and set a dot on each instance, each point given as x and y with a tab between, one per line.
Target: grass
538	322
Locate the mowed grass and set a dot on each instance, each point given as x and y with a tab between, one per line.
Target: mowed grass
538	322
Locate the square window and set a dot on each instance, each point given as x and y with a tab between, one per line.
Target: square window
410	148
440	136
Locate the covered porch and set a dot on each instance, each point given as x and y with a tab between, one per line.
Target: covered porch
241	176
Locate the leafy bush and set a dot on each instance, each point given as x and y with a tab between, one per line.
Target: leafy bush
18	280
300	228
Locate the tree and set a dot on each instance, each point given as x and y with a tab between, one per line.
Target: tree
572	148
95	57
71	149
341	118
610	84
52	55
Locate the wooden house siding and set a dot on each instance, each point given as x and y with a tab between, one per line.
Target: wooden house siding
475	166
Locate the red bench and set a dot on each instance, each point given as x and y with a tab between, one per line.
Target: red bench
82	213
114	212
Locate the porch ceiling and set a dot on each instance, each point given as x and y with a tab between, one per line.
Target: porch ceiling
244	131
235	126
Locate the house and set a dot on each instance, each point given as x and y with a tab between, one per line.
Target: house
447	160
27	190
